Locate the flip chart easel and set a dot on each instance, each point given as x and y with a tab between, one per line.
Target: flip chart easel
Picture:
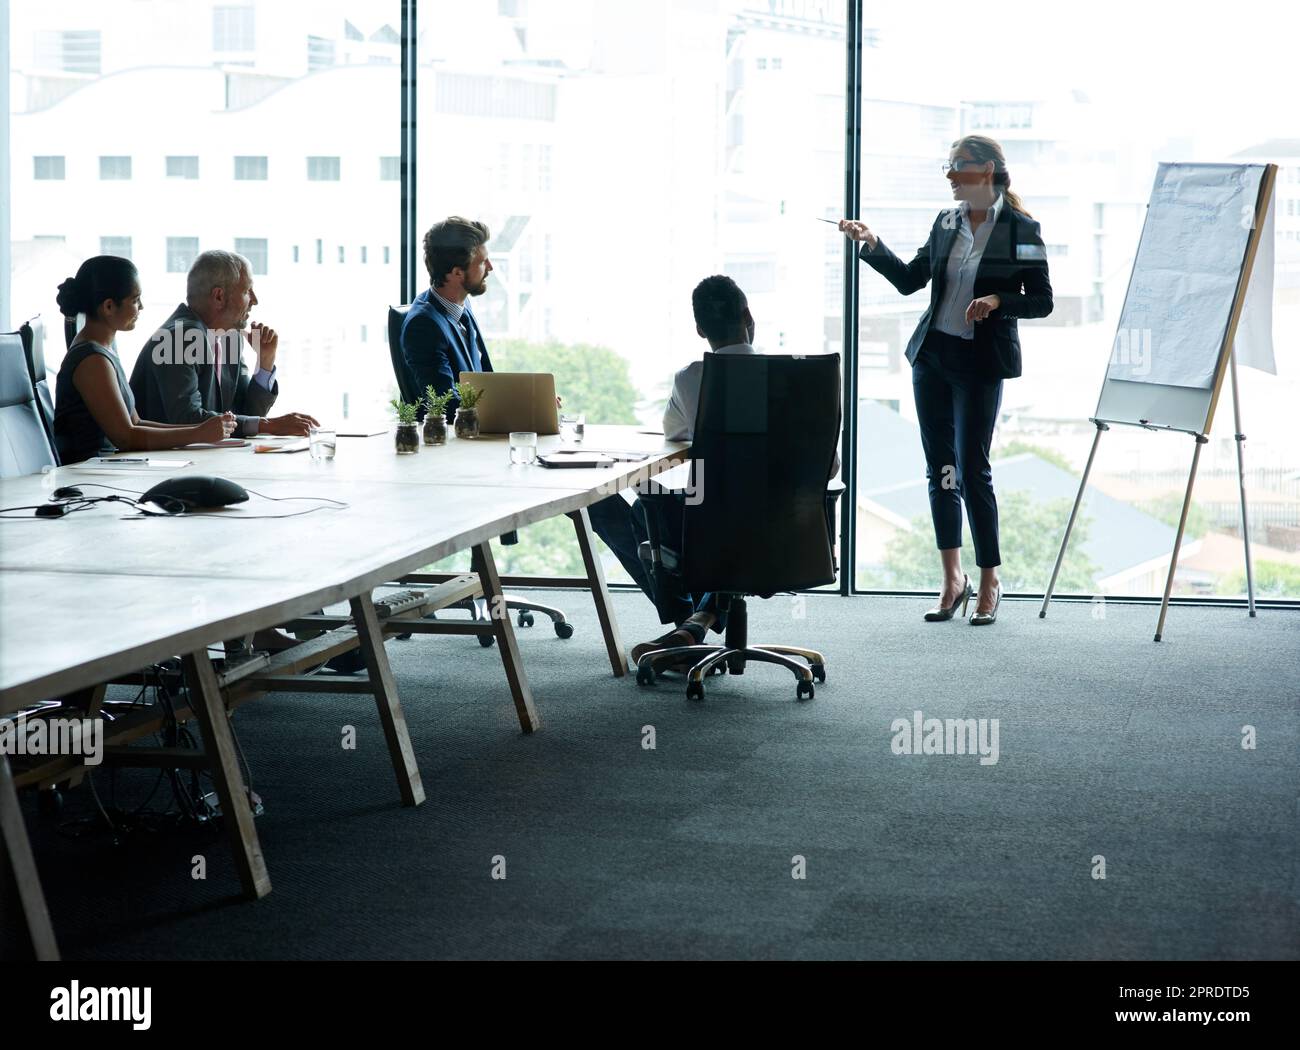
1192	321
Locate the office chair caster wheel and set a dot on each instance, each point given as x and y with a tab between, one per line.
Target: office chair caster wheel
804	691
645	675
819	672
404	637
564	629
525	619
486	640
694	690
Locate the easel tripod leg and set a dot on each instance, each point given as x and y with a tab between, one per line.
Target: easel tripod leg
1241	482
1178	539
1069	526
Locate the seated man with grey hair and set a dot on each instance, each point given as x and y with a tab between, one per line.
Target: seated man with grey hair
191	368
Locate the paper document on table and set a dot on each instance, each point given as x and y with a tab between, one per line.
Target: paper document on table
128	464
228	443
299	445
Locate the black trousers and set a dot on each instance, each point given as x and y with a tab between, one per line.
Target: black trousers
958	409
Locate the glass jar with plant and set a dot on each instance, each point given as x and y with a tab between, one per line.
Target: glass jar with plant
435	417
408	432
467	414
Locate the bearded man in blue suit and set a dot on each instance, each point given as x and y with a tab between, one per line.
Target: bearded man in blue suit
441	339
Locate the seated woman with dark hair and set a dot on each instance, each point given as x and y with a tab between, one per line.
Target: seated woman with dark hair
94	409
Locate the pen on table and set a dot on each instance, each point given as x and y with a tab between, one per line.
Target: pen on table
122	459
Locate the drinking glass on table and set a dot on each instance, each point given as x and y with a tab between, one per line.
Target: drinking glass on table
572	427
323	443
523	447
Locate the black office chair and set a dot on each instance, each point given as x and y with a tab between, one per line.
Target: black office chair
33	337
409	389
24	446
765	438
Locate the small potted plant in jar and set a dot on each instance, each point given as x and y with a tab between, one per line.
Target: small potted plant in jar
467	414
435	417
408	433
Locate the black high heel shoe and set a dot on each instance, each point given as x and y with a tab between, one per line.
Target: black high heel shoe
940	612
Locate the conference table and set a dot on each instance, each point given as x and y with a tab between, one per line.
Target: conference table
94	596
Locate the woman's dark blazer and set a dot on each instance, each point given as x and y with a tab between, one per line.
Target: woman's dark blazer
1014	266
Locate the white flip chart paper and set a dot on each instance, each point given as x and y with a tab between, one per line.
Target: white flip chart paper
1185	274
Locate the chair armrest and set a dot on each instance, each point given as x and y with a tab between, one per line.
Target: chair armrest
653	499
834	490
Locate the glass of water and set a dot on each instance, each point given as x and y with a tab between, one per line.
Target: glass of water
572	427
523	447
323	443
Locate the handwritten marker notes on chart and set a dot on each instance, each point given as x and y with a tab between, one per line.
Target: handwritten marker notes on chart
1185	275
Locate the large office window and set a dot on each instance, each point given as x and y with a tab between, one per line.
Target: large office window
556	123
253	96
1082	140
711	137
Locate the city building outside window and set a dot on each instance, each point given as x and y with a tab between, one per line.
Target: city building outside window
52	168
111	168
250	169
181	253
182	167
323	169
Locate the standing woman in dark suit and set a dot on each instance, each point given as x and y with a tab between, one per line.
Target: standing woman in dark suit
986	266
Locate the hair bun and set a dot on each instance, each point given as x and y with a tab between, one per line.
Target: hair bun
69	298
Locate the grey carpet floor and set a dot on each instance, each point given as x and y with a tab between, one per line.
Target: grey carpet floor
1110	747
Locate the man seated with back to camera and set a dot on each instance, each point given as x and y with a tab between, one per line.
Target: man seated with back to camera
441	339
722	316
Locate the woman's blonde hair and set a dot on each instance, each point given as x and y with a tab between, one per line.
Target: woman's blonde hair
984	149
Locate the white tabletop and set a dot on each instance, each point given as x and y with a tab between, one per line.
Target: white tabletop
93	594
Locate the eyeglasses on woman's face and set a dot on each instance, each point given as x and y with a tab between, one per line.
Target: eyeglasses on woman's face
959	164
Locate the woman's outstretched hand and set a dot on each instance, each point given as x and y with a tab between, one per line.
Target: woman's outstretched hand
858	231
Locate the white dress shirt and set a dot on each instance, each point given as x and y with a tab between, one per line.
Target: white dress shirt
963	264
679	416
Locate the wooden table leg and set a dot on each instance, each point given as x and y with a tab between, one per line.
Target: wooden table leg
219	744
390	709
599	592
520	691
22	865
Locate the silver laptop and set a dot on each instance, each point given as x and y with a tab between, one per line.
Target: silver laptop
515	401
